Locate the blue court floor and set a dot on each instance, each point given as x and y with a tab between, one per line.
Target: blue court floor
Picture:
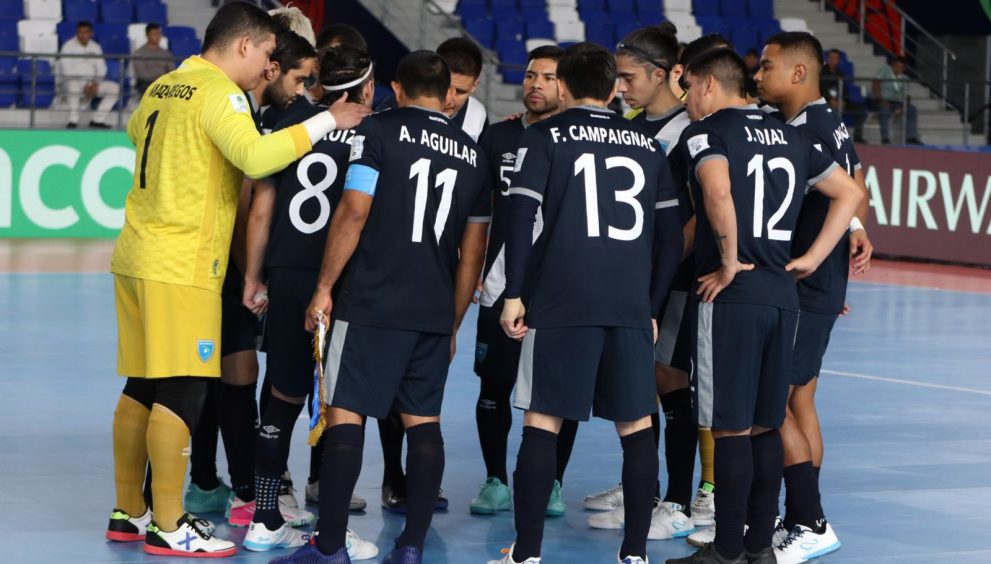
905	400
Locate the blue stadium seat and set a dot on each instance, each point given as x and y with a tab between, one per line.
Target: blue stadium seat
624	24
471	4
79	10
744	38
151	11
593	15
9	41
761	9
499	5
112	38
766	27
539	28
602	34
117	72
733	8
44	84
116	11
473	12
65	30
482	29
591	5
12	10
7	64
705	7
621	6
512	57
712	24
649	15
9	85
509	28
184	47
530	12
178	32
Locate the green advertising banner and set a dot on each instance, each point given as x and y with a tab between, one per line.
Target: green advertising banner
63	183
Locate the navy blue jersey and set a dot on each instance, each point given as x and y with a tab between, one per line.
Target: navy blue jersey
428	180
472	117
499	143
599	180
825	290
307	193
273	115
771	166
667	129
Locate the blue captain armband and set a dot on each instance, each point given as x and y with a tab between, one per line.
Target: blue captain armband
361	178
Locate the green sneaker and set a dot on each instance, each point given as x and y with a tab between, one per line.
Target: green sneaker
494	497
555	507
207	501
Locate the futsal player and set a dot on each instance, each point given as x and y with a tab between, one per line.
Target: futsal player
608	206
410	230
788	77
749	175
195	141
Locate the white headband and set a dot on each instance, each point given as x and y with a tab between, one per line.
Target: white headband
353	83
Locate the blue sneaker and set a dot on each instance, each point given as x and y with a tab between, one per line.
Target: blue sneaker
404	555
198	500
555	506
310	555
495	496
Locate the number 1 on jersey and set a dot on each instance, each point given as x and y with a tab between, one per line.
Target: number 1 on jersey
150	126
445	180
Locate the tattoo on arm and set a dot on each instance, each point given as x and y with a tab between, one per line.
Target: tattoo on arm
719	241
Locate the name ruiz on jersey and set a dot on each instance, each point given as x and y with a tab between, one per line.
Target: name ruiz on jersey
766	136
441	144
604	135
342	136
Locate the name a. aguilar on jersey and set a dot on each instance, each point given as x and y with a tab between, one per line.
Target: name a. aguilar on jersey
164	91
604	135
441	144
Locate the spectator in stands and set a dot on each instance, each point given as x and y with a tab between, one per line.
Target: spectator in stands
830	85
891	98
84	78
151	60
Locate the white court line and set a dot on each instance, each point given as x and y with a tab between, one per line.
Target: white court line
907	382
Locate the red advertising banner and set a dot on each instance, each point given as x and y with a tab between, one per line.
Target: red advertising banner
929	204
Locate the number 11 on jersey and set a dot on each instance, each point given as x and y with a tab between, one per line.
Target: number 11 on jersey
445	180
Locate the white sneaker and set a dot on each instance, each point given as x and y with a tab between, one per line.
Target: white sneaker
125	528
704	507
260	539
702	537
670	522
632	560
241	513
358	548
205	525
803	544
780	532
508	558
613	519
187	540
287	493
605	501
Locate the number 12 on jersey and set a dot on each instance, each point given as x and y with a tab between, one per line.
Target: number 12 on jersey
445	181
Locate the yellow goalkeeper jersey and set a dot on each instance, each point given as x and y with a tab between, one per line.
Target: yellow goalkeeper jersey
195	141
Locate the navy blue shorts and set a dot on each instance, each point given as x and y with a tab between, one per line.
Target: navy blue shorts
239	328
289	363
496	355
811	342
370	370
742	364
567	371
673	347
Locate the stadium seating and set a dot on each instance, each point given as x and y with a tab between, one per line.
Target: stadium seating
116	11
151	11
80	10
11	10
43	9
43	93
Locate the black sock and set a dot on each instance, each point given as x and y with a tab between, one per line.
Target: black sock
762	506
271	454
424	471
238	416
343	444
265	395
639	474
148	496
391	434
680	440
203	443
801	496
734	472
316	460
565	443
494	419
655	425
532	484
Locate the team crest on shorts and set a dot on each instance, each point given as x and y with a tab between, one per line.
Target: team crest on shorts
204	347
481	351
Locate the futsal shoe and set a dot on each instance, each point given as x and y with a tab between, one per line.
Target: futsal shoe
189	540
198	500
555	505
780	532
708	555
702	537
609	520
260	538
309	554
765	556
205	525
494	497
404	555
241	513
287	493
670	522
358	548
508	558
704	506
358	503
393	502
632	560
605	501
124	528
803	544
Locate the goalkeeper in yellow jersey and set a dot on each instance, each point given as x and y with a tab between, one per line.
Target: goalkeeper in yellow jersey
195	141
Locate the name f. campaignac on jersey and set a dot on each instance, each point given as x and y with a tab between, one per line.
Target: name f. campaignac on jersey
441	144
603	135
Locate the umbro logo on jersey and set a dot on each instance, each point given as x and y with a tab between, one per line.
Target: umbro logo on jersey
269	432
755	118
508	157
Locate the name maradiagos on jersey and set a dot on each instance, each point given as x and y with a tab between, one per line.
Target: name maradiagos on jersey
440	143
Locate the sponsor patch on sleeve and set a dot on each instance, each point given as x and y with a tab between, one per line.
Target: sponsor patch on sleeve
698	143
357	147
240	103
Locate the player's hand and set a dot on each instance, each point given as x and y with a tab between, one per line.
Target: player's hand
802	267
515	116
320	304
255	296
91	90
861	251
478	292
348	115
653	322
512	318
846	310
711	284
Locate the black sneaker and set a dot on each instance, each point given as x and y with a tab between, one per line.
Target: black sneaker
98	125
125	528
393	501
765	556
71	125
914	141
708	555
